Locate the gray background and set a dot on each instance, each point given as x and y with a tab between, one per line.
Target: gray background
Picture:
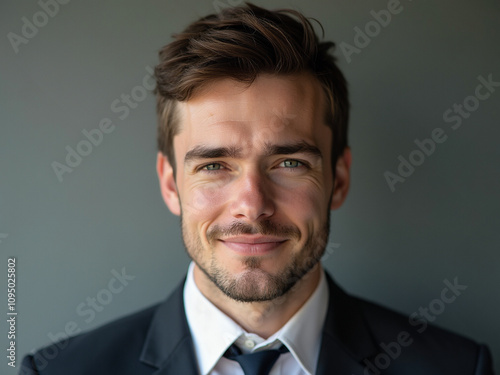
395	248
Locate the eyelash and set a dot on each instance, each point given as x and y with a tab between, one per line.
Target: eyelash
301	164
203	169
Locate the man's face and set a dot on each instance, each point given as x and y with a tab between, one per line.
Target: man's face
254	183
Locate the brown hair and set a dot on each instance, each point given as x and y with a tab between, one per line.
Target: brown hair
240	43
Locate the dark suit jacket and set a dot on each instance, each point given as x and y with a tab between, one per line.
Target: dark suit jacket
358	337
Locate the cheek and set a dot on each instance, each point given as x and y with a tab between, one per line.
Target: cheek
306	204
203	202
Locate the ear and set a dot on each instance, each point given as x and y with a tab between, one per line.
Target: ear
342	179
167	184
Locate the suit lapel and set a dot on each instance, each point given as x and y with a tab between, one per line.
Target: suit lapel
168	345
181	361
346	339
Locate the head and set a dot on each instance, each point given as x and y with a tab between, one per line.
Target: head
252	140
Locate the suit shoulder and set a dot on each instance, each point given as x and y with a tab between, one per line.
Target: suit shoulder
385	321
99	351
414	338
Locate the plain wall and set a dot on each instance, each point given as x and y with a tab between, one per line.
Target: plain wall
393	247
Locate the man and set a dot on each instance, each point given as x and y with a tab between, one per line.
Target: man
253	116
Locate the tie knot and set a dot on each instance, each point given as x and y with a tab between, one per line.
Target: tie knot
256	363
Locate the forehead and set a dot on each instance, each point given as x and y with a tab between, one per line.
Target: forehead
272	108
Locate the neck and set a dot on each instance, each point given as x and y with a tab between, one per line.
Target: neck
261	318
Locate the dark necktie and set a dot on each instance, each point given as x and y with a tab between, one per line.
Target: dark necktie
256	363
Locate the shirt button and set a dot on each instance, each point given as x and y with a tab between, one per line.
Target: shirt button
249	344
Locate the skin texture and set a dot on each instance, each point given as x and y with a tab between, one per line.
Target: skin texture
254	188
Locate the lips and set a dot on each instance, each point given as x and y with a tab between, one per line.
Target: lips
253	245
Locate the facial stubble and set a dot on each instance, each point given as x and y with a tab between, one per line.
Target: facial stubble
255	284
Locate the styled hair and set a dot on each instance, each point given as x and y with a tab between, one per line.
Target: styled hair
241	43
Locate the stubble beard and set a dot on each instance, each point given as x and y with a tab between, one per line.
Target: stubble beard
255	284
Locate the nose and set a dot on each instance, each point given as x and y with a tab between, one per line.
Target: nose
252	198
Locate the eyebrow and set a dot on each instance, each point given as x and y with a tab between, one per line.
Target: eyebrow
293	148
206	152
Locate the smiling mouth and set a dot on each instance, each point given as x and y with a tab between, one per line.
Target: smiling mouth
252	245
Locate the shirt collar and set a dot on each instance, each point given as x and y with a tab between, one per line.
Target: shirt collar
213	332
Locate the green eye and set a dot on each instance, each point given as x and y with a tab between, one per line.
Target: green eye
291	163
212	167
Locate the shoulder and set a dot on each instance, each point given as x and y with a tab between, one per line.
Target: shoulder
100	351
137	344
413	344
390	325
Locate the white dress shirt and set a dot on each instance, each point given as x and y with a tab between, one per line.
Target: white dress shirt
213	332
